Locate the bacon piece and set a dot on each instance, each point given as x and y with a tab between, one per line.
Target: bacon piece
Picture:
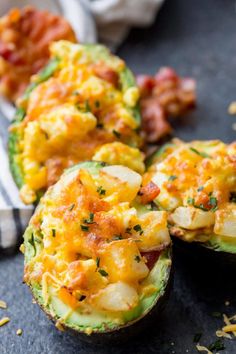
154	120
162	96
25	35
151	258
149	192
106	74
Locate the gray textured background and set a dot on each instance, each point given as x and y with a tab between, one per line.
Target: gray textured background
198	39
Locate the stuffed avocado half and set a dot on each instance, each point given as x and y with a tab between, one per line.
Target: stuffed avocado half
97	257
84	100
197	182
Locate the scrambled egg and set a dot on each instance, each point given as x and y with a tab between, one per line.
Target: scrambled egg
197	182
87	236
118	153
84	99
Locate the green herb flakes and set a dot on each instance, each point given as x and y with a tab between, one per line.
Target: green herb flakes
200	189
71	207
101	191
138	228
137	258
116	133
103	272
84	227
202	154
90	219
117	237
97	262
172	178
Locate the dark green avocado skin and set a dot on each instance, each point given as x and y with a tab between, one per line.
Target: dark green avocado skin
132	329
201	252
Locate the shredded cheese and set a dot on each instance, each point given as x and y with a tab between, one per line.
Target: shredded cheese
228	323
220	333
4	320
201	348
232	108
19	332
229	328
3	304
59	326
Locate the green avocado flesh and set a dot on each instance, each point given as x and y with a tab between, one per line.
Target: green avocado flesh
222	244
97	53
96	321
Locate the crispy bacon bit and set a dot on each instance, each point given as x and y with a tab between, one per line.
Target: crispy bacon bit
25	36
162	96
154	120
55	168
149	192
106	74
151	258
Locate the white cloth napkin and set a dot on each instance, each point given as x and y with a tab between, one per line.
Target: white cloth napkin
106	20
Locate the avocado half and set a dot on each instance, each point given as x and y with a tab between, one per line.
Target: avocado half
97	326
97	53
214	247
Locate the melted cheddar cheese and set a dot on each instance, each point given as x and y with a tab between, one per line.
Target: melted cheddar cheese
88	99
197	184
89	241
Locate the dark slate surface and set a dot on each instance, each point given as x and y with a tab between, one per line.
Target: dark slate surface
198	39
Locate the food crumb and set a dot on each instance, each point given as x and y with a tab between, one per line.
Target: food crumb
3	304
227	303
59	326
19	332
232	108
172	343
4	320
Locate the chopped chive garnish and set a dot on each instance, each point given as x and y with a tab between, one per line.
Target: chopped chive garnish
172	178
103	272
87	106
90	219
128	230
197	337
117	237
101	191
202	154
32	243
71	207
84	227
138	228
53	232
97	104
116	133
213	202
200	189
97	262
200	206
137	258
190	201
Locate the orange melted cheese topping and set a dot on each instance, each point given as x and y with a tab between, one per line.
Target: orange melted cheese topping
73	113
90	238
197	184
